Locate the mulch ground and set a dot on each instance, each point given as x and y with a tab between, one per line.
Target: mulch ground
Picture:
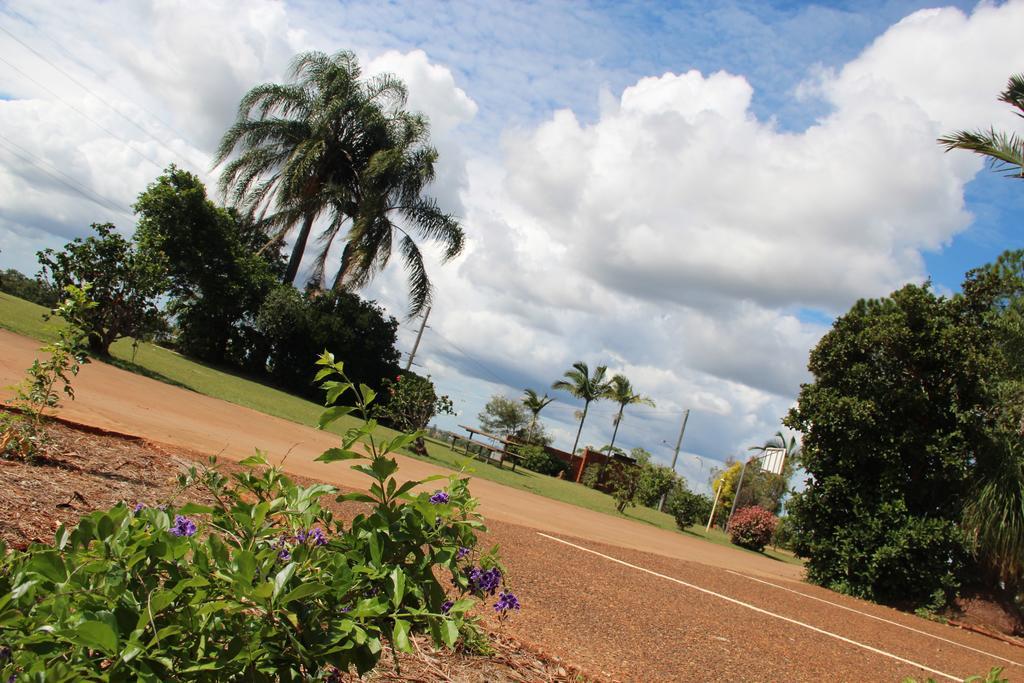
82	470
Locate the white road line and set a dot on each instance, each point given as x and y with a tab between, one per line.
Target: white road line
872	616
757	609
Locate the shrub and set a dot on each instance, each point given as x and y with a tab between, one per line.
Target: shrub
410	403
296	327
539	460
688	508
752	527
262	585
591	475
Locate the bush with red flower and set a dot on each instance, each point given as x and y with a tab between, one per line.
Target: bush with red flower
752	527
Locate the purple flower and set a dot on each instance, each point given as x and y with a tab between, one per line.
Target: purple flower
463	551
284	555
318	536
439	498
183	526
138	508
446	606
506	601
484	580
301	535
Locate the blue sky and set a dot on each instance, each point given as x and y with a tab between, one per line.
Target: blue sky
687	192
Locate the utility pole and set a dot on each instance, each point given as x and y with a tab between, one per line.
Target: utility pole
679	442
416	345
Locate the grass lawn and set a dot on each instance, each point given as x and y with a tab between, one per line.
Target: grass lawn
168	366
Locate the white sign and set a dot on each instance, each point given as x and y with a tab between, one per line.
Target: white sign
773	460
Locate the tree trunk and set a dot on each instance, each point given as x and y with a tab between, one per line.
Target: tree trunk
99	345
298	250
611	446
580	430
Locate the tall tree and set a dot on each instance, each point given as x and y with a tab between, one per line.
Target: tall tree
534	403
621	391
892	424
1004	151
583	385
218	278
333	144
504	416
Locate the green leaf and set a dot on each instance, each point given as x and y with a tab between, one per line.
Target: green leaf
305	590
400	636
323	372
254	460
49	565
368	394
449	632
195	509
355	497
397	586
159	600
98	636
283	577
336	454
384	467
332	414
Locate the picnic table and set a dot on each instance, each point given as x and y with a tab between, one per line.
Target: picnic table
498	448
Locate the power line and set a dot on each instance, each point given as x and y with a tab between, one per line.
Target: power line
102	100
84	115
82	190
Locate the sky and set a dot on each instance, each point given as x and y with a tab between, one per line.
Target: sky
688	193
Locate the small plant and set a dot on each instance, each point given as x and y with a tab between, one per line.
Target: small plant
411	403
539	460
752	527
21	432
264	584
688	508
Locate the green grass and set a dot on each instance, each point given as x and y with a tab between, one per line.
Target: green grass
168	366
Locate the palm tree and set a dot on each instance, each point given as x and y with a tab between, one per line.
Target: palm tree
393	185
621	391
581	384
535	404
1005	151
330	144
790	445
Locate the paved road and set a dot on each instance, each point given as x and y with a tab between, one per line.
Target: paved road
620	598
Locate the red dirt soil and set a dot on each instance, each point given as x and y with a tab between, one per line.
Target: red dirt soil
614	621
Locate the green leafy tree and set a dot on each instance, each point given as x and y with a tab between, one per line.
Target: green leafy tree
17	284
218	276
585	386
293	326
334	145
994	512
503	416
535	403
688	508
125	284
892	424
1004	151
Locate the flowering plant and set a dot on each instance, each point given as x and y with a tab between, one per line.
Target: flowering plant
752	527
264	584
